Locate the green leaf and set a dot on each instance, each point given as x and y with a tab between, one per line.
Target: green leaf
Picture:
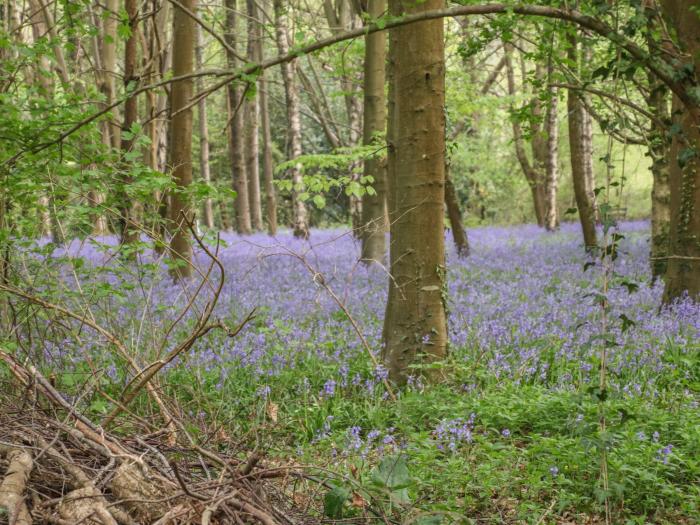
333	502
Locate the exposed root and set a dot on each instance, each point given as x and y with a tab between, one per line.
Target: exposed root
14	485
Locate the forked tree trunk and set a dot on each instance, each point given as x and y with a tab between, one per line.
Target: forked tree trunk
252	117
268	168
300	224
533	174
374	207
184	41
235	94
415	327
683	272
204	168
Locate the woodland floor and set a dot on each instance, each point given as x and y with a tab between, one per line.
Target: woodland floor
511	436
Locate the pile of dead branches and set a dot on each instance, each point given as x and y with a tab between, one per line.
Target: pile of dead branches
57	466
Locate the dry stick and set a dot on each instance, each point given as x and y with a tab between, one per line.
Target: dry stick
662	69
200	330
14	485
102	331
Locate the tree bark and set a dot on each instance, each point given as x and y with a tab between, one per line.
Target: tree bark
415	329
552	180
129	209
299	214
184	41
252	114
204	168
268	173
237	129
374	207
683	272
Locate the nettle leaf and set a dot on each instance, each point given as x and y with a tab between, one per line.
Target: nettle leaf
334	502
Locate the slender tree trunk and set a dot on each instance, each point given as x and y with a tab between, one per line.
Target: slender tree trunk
299	214
237	129
204	169
252	113
683	272
454	213
129	209
184	41
374	207
415	329
551	222
268	173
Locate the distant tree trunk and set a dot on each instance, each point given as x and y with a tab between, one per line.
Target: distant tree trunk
415	327
683	271
374	207
237	128
454	213
252	115
184	41
581	167
551	133
109	64
204	168
581	148
532	174
129	209
299	214
268	173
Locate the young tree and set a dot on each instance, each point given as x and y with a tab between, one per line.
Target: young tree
374	206
300	224
184	41
415	325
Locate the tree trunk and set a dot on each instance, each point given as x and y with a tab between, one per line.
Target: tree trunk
415	329
299	214
128	209
111	131
551	133
581	147
374	207
683	272
658	151
532	174
268	173
252	113
236	135
204	168
454	213
184	41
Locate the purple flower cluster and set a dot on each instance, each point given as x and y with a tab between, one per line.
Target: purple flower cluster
520	306
452	433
